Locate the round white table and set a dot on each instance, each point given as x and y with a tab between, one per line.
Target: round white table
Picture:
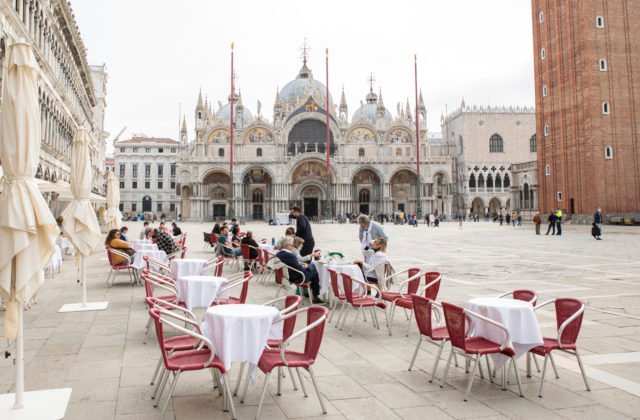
142	241
144	246
187	267
325	277
138	258
200	291
66	246
517	315
55	262
239	333
268	247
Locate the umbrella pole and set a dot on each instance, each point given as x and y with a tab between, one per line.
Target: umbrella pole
83	278
19	346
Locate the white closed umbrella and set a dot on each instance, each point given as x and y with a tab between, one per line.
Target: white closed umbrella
79	219
113	219
28	230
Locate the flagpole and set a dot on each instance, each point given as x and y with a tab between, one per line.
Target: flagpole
231	105
328	138
419	186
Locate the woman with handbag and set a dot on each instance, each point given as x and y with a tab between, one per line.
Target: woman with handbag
113	241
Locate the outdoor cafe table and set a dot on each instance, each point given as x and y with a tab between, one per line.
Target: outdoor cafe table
145	246
519	318
200	291
187	267
325	278
239	333
138	258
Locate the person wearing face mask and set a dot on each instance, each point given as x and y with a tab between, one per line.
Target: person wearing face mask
303	230
374	263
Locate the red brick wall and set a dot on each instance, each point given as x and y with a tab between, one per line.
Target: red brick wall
578	131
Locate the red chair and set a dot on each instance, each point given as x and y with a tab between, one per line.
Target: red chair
291	303
154	282
246	256
184	361
156	265
278	358
126	265
338	296
362	301
263	260
423	309
300	286
239	279
206	237
473	348
213	267
522	294
569	314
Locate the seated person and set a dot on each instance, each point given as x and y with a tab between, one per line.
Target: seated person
287	256
176	230
225	246
123	233
373	266
216	229
297	246
164	241
235	236
164	228
290	232
234	225
143	234
113	241
253	247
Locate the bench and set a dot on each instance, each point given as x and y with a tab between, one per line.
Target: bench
615	220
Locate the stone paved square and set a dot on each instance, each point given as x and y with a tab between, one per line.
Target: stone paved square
101	355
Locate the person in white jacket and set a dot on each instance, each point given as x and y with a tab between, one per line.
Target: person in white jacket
375	260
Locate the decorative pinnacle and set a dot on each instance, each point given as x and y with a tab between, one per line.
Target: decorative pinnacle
305	48
232	46
371	79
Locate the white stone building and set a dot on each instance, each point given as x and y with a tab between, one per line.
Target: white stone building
66	89
282	162
486	142
146	168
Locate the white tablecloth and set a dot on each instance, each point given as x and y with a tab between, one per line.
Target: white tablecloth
142	241
268	247
200	291
144	246
325	277
140	263
282	219
517	315
187	267
240	332
65	245
56	261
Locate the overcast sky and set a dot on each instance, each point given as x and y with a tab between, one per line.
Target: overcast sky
160	52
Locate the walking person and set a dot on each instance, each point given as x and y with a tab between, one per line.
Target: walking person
303	230
597	221
552	223
537	221
501	218
558	222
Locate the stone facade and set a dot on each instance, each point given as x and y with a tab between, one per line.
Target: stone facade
586	56
66	87
485	142
146	168
281	162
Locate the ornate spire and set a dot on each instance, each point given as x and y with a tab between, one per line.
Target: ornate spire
183	130
380	101
343	100
408	111
199	105
206	103
421	106
372	98
305	72
277	102
239	99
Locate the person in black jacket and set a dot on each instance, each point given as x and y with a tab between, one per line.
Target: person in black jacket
287	256
303	230
552	223
253	252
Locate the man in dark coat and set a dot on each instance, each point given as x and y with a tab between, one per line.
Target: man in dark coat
286	256
552	223
303	230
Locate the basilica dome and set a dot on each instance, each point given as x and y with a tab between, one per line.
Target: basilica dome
303	86
223	113
369	110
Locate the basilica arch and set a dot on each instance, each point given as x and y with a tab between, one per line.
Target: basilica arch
257	193
403	185
216	189
366	192
309	180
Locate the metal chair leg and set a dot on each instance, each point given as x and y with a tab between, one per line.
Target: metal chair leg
584	374
229	399
409	326
486	358
480	367
293	379
435	364
176	375
264	391
515	369
553	365
235	391
315	385
353	326
155	373
304	389
246	385
446	370
279	393
471	377
528	364
157	394
544	370
415	353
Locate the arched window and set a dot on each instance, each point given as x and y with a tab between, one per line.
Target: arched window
605	108
546	130
472	181
599	22
602	64
259	152
608	152
541	17
507	181
527	203
218	193
221	152
543	54
498	181
258	196
481	181
199	115
547	170
361	152
364	196
532	144
489	182
496	144
544	90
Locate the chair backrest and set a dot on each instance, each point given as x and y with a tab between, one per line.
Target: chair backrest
155	315
110	256
313	340
333	275
413	285
347	286
293	302
456	322
432	280
246	251
279	272
220	266
565	308
245	287
263	256
526	295
422	310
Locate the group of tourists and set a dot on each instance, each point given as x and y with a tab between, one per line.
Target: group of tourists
118	239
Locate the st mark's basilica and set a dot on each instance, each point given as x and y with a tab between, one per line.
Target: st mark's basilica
281	162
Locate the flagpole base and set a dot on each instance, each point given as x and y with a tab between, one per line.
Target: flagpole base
48	404
80	307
